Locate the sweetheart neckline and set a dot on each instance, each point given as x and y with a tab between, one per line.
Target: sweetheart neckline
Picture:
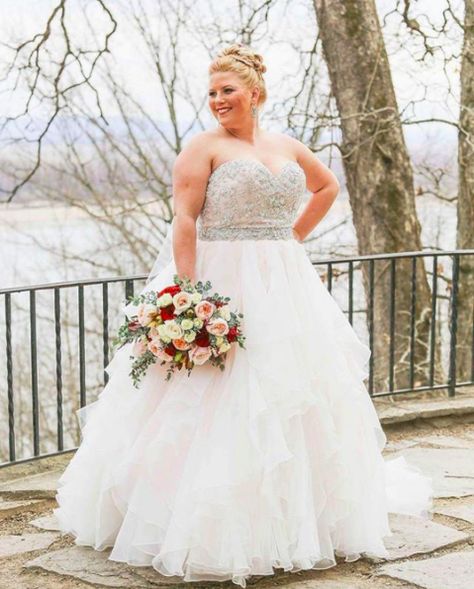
277	175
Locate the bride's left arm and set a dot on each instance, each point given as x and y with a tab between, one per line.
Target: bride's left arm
323	185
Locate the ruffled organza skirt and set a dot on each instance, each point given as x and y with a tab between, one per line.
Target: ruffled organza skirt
273	463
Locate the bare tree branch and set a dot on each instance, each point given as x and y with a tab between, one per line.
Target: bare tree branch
28	62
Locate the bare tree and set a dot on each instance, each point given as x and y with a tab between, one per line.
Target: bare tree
465	203
379	177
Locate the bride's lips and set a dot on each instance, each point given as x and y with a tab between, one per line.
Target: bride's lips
224	112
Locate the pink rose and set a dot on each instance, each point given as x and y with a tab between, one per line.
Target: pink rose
199	355
155	348
180	344
217	327
204	310
181	302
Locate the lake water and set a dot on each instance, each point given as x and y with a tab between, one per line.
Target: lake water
36	239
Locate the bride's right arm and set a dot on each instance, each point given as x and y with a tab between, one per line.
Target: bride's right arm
191	172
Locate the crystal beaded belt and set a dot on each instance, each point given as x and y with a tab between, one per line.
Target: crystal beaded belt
252	232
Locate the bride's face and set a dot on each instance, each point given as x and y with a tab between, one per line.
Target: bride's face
229	99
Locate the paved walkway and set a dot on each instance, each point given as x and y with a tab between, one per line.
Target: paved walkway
432	554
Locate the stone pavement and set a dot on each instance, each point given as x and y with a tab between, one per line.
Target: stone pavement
435	553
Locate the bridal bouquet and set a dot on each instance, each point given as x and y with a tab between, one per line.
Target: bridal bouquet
182	325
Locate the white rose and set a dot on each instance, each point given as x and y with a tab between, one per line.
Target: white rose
162	332
146	313
187	324
181	301
217	327
165	300
224	312
173	329
189	336
224	347
196	297
198	323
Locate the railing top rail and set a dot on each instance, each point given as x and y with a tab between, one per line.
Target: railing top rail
71	283
419	254
342	260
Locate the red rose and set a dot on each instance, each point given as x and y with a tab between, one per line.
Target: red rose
167	312
232	334
202	339
171	289
133	325
170	349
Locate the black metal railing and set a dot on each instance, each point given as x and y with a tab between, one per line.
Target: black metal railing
57	339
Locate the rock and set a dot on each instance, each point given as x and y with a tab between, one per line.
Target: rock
12	544
93	566
8	508
322	583
415	535
42	485
412	410
464	512
445	442
452	469
430	441
47	522
400	445
450	571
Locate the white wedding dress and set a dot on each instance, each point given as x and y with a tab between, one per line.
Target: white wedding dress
274	462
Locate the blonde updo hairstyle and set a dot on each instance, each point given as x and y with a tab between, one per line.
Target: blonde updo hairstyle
247	64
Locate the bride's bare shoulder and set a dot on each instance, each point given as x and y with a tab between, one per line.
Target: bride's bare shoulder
196	155
203	140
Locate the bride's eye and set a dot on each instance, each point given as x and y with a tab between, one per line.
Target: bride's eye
226	91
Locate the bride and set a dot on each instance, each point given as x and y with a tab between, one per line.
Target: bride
276	461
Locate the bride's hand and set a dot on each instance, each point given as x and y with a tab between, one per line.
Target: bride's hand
191	279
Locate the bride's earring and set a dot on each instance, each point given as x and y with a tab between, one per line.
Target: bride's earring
254	111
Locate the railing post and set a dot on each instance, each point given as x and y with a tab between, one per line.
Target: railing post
105	329
391	366
59	376
434	297
11	399
351	292
82	347
34	374
371	325
453	327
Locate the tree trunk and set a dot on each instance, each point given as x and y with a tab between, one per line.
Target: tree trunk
465	226
380	184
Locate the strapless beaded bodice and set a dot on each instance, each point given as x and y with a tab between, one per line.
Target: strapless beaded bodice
246	200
